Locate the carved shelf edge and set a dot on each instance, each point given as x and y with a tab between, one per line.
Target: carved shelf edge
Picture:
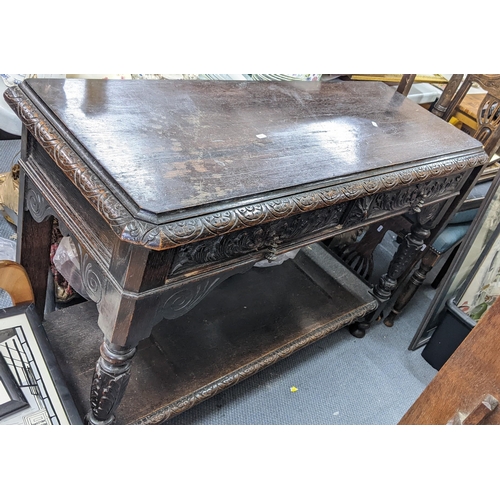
174	234
268	239
237	376
224	339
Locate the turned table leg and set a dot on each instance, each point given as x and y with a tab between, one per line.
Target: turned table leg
111	376
126	318
416	281
403	258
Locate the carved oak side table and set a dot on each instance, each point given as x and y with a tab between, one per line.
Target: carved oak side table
170	187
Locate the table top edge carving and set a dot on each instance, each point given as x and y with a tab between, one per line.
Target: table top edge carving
190	227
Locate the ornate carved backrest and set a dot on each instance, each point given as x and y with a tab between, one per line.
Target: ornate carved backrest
488	115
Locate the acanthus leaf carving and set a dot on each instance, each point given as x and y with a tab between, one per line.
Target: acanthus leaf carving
254	239
110	379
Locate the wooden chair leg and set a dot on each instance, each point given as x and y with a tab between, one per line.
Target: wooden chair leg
358	255
428	261
405	84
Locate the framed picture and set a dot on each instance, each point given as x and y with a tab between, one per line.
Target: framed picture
11	397
481	238
482	287
32	388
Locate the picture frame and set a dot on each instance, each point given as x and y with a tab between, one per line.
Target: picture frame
11	397
32	387
482	286
479	238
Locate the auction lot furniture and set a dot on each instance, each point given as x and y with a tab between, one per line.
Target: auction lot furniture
170	188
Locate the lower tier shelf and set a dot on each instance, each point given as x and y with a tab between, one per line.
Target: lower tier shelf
246	324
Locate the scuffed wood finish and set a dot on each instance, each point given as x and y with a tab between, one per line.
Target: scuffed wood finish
204	138
314	135
465	380
169	188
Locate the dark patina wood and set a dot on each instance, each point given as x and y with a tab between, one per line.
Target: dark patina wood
171	188
405	84
247	323
487	131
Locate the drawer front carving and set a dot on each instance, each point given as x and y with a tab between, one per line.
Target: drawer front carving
257	239
411	198
268	238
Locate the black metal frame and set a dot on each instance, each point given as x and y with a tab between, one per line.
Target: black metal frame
447	288
17	400
42	347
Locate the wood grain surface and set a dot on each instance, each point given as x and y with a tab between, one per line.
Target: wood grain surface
466	379
169	146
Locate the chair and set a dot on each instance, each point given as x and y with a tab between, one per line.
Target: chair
488	132
14	280
359	254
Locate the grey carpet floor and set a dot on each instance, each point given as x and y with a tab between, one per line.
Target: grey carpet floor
340	380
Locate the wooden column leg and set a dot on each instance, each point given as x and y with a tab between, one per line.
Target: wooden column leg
403	258
110	380
358	255
126	317
416	280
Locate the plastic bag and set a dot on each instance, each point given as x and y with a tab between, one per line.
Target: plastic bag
68	265
7	249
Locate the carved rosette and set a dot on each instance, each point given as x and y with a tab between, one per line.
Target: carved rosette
170	235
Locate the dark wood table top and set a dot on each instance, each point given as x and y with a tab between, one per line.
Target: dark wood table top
171	151
176	145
